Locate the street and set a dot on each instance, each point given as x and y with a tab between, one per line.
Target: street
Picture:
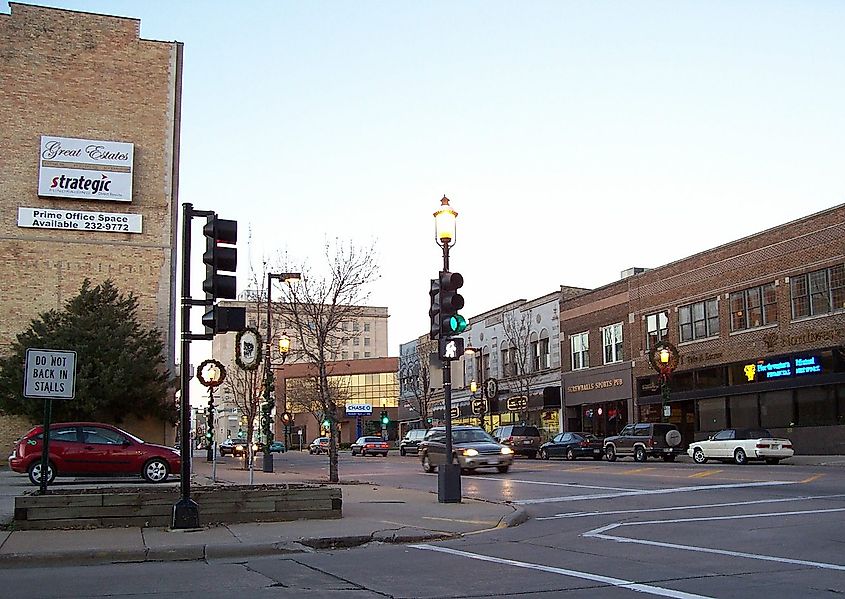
597	529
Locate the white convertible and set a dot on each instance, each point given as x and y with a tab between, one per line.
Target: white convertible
741	445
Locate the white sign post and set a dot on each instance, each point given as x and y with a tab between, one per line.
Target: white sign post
49	374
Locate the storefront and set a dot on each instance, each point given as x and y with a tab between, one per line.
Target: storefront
798	395
598	400
540	409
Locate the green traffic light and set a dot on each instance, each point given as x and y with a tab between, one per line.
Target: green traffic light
458	324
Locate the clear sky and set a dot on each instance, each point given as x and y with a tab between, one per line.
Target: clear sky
575	138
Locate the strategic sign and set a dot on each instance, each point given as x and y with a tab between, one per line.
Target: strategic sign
50	374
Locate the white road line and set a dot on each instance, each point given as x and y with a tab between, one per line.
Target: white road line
616	582
537	482
687	507
598	533
650	492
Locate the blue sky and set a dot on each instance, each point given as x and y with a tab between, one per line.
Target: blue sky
575	138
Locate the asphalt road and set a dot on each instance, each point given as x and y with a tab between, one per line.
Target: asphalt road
598	529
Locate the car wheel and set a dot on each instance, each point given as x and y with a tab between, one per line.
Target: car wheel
402	451
772	461
698	456
610	453
155	471
502	469
427	465
570	455
639	454
544	455
34	472
740	457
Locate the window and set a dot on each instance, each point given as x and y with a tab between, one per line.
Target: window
356	355
725	435
367	354
657	327
101	436
366	340
580	346
535	356
507	367
612	342
819	292
754	307
712	414
545	356
699	320
744	411
356	341
366	327
777	409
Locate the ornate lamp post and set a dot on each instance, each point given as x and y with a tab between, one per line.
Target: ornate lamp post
664	359
267	416
448	475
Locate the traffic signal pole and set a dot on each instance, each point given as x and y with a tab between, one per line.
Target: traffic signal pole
448	475
186	511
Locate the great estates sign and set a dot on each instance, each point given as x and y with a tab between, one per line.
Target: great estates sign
85	169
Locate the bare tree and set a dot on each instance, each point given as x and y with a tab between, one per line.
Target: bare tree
416	375
517	333
245	388
317	309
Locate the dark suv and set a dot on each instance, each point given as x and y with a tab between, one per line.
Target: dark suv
644	440
410	443
523	439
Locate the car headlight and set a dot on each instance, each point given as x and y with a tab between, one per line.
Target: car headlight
507	450
470	453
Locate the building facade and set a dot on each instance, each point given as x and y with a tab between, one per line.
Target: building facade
364	338
759	326
90	126
514	360
372	382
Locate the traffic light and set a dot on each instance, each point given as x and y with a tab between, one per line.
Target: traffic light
451	323
385	419
434	310
221	235
208	436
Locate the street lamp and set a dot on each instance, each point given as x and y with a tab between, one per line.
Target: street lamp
664	359
284	342
448	475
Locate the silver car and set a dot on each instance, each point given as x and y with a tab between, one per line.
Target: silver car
472	448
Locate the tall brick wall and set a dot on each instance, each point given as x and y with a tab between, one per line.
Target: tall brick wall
88	76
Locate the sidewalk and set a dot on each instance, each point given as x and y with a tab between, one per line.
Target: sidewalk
370	513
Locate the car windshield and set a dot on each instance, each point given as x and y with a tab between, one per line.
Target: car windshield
371	440
471	436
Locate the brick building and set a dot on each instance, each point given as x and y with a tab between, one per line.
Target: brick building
90	154
759	325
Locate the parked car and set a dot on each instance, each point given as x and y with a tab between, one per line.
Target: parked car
472	447
644	440
92	449
573	445
410	443
741	445
522	439
277	447
319	445
370	446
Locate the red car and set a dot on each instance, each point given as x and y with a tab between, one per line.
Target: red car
92	449
370	446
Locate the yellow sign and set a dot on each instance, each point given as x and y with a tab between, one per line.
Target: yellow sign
750	370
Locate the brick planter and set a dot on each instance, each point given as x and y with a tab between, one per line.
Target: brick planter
95	508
